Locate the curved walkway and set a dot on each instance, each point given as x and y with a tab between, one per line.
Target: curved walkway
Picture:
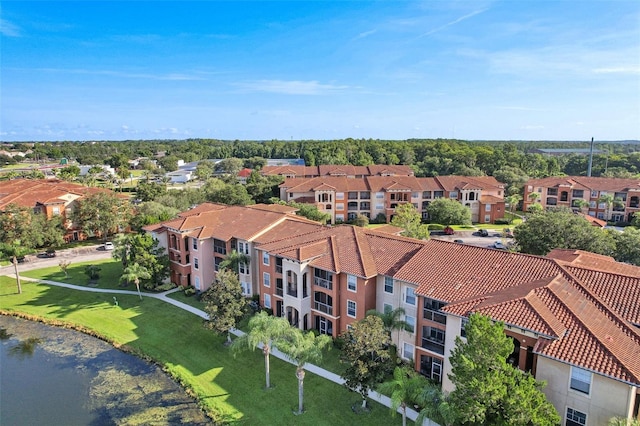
382	399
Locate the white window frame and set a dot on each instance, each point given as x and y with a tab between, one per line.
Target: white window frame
408	347
406	296
267	300
196	264
385	285
487	208
580	376
573	419
387	307
56	211
265	258
351	305
194	243
266	279
197	283
411	321
352	283
242	268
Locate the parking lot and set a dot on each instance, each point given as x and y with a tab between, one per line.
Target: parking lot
472	238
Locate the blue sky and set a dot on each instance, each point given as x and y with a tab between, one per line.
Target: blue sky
501	70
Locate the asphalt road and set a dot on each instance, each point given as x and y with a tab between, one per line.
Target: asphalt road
469	238
81	254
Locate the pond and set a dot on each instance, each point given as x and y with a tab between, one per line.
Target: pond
55	376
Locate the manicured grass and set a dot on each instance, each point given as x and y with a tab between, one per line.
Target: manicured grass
110	272
232	389
189	300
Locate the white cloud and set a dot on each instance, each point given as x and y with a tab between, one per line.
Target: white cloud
292	87
9	29
454	22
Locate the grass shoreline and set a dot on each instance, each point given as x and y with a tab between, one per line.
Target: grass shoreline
228	390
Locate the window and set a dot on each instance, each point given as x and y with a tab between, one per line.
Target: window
56	211
453	194
265	258
197	283
216	263
431	367
431	311
388	285
379	194
219	246
195	262
379	206
266	279
552	191
387	308
242	268
407	351
580	380
194	241
351	308
433	339
487	218
340	206
411	323
487	207
267	301
323	278
463	327
410	296
243	247
575	418
594	194
339	195
352	282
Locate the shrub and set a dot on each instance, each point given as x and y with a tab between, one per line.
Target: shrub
165	287
502	221
189	291
436	227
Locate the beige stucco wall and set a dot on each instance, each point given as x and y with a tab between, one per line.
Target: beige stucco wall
452	331
608	398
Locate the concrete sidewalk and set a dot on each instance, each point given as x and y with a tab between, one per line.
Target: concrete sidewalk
312	368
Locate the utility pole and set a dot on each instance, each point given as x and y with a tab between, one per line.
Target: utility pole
590	159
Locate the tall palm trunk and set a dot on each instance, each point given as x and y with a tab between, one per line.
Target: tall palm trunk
15	267
266	350
300	376
138	287
404	414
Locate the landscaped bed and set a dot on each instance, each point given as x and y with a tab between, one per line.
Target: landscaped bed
230	389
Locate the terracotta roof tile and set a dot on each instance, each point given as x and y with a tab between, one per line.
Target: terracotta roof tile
590	183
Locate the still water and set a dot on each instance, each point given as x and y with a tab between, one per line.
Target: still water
52	376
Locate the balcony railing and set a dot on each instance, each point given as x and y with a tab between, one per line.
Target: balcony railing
279	269
433	346
279	291
323	307
321	282
292	291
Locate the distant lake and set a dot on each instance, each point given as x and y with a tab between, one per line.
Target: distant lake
52	376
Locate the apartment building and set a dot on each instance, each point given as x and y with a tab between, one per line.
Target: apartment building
574	316
50	197
575	192
343	198
200	239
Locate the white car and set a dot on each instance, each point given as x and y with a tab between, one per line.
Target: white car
498	245
108	245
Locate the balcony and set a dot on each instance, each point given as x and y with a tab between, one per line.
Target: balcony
323	307
321	282
352	206
433	346
365	206
292	291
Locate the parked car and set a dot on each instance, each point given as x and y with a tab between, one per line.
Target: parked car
498	245
483	233
108	245
507	233
458	241
448	230
50	252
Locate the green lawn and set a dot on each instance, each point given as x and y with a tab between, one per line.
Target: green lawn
231	389
110	272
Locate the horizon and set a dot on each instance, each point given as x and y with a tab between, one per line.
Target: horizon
476	71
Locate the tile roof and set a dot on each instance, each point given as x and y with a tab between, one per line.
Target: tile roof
337	170
591	183
33	192
593	261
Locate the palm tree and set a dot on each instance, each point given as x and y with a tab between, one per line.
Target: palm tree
233	261
582	205
391	319
265	330
607	200
403	389
14	251
436	406
134	273
302	348
513	201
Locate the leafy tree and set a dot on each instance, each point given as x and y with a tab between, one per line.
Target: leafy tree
403	388
149	191
151	212
365	352
610	201
169	163
102	213
230	166
52	230
21	224
513	201
309	211
627	245
512	177
408	218
302	348
446	211
561	228
64	265
225	303
262	188
488	390
621	421
134	273
361	221
265	330
92	271
233	194
144	250
535	208
204	170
